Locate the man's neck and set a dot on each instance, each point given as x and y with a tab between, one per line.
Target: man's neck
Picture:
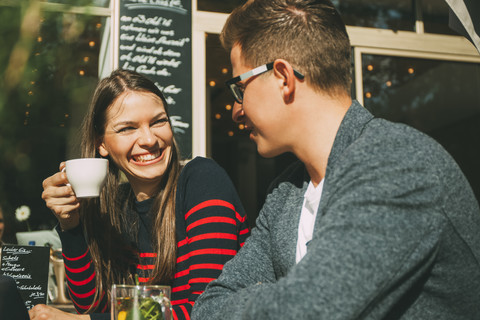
318	120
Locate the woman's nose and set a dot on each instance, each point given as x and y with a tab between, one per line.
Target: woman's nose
146	137
238	114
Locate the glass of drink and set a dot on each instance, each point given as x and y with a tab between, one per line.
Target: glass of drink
142	302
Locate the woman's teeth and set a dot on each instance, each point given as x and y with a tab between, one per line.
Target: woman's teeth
147	157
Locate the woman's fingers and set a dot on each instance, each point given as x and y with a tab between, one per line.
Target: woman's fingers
58	179
44	312
60	199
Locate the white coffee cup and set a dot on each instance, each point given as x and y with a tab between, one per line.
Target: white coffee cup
87	176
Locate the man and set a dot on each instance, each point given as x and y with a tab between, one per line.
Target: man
376	220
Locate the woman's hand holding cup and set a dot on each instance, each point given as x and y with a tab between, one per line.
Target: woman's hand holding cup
78	178
60	198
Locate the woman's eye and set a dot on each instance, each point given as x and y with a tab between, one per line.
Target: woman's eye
125	129
160	122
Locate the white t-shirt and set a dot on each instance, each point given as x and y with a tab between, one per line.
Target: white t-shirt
307	218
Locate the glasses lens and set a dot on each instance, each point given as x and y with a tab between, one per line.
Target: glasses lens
237	93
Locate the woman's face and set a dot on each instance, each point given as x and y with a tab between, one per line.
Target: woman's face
138	138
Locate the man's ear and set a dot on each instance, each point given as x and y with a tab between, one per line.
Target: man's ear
102	150
286	78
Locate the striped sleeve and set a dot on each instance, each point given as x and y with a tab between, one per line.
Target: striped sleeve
79	271
210	231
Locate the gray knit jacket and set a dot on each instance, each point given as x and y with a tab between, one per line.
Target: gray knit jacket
397	236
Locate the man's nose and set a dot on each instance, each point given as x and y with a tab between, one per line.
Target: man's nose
238	115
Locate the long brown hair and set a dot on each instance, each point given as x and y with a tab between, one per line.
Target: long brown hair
104	218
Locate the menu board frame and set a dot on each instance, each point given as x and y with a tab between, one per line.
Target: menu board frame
154	38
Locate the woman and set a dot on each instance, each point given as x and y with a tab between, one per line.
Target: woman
166	225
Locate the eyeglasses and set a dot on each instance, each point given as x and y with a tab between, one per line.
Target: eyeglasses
237	91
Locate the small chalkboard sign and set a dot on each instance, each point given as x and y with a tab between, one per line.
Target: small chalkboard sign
154	39
28	266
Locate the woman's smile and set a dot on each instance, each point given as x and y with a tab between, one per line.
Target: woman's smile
149	158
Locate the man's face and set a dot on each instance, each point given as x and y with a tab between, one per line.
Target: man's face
261	111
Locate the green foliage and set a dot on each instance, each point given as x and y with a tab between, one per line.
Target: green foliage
48	68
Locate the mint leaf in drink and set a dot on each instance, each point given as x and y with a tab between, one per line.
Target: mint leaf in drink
151	309
135	314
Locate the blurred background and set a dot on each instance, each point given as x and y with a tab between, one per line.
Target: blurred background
408	67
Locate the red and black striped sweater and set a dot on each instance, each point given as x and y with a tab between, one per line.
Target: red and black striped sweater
211	227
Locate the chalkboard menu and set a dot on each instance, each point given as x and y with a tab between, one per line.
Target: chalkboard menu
28	266
155	40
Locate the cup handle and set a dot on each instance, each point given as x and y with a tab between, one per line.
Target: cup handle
63	170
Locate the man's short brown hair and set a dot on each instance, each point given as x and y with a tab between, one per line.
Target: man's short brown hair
309	34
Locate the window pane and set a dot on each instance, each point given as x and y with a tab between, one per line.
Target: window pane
435	17
223	6
440	98
47	74
230	144
382	14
